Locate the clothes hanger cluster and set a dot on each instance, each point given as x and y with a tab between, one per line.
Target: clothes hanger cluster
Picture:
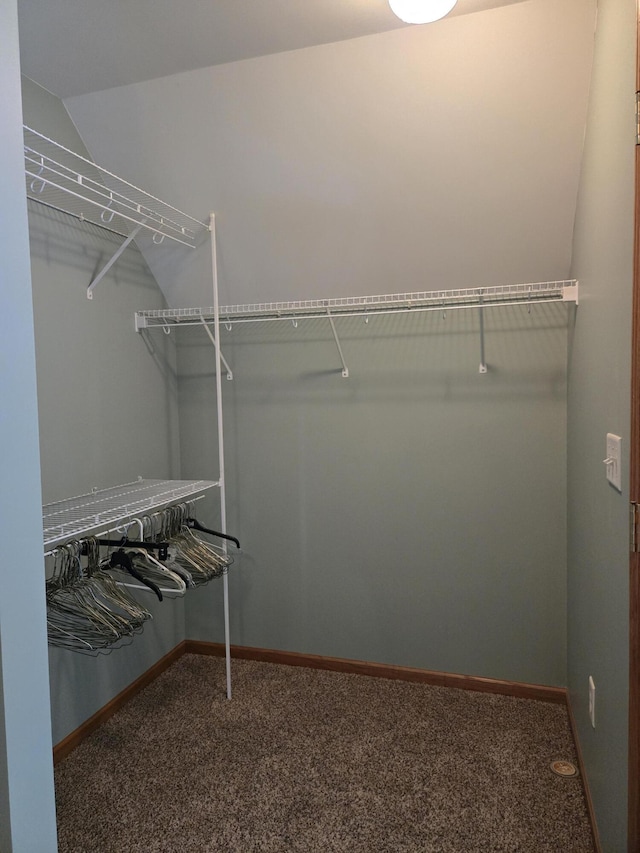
87	611
91	606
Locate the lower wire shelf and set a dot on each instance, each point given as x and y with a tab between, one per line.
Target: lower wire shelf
102	510
105	510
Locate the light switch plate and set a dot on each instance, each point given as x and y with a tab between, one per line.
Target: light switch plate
613	461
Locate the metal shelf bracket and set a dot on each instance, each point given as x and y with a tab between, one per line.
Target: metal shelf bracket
217	349
345	369
105	269
483	362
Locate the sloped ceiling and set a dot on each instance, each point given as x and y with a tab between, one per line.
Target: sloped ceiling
72	47
420	158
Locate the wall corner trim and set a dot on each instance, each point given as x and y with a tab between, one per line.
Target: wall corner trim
68	744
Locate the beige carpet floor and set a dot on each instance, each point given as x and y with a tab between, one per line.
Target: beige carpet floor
313	761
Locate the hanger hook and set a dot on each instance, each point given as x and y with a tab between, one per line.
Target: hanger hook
109	213
35	182
158	236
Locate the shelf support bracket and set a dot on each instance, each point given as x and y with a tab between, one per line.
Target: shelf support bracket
483	362
345	369
217	348
105	269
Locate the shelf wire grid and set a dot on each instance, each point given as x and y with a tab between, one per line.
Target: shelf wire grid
432	300
63	180
104	510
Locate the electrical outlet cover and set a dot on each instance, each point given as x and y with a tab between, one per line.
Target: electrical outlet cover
613	461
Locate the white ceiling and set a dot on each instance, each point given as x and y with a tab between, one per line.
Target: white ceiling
73	47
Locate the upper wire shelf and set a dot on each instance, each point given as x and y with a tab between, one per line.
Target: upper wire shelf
352	306
104	510
63	180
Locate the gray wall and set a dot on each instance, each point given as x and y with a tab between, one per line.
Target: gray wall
107	403
419	159
27	809
413	513
599	384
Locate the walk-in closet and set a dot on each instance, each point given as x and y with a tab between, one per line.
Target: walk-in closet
317	344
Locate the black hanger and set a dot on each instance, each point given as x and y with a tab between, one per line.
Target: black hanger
194	524
161	547
122	559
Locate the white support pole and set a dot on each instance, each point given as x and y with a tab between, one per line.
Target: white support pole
345	369
223	493
105	269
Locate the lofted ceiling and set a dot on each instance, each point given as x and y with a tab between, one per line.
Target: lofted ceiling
384	158
421	158
75	47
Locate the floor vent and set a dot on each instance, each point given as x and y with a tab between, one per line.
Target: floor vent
564	768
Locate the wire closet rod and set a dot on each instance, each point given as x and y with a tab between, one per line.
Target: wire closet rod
63	180
80	216
434	300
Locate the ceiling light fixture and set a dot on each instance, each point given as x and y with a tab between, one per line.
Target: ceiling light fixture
421	11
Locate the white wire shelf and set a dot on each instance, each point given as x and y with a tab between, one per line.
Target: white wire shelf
352	306
104	510
63	180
